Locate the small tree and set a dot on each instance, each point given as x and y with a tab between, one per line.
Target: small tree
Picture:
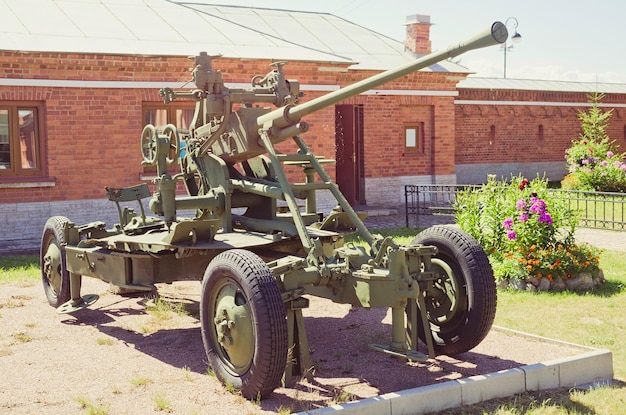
593	162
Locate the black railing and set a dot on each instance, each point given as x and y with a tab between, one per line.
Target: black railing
600	210
431	199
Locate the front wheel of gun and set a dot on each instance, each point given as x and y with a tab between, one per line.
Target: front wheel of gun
244	326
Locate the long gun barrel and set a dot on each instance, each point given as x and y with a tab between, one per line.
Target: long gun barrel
290	115
234	135
257	264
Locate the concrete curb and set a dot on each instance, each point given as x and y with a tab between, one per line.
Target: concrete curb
591	366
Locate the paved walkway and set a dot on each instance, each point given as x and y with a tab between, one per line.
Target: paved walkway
611	240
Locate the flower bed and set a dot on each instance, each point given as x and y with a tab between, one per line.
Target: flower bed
528	236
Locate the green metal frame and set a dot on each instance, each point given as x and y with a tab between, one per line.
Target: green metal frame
306	253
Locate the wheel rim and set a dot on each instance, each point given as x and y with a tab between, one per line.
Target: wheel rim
53	267
174	140
233	328
445	303
148	144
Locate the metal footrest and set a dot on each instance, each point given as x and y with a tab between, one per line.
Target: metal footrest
405	354
77	304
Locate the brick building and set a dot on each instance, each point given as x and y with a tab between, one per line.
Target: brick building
512	126
78	81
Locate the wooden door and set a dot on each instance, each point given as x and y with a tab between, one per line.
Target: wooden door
348	140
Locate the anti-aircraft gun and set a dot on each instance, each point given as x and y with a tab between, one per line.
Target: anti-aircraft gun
256	261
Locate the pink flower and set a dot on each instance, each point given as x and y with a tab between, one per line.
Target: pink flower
511	235
545	218
609	154
539	206
508	224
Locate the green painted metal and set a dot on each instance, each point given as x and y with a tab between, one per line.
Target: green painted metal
234	325
230	163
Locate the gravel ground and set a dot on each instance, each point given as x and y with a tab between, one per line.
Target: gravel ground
115	356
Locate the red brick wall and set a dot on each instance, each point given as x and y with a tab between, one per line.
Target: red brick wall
92	135
386	117
516	137
92	67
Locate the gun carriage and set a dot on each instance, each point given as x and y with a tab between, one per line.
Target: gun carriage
257	262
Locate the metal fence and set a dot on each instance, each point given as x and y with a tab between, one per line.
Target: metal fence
431	199
600	210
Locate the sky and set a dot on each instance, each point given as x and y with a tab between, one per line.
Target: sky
573	40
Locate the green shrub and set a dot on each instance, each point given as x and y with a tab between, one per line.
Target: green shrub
593	161
524	230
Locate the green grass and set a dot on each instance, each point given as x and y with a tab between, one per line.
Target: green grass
163	309
402	236
187	373
162	403
139	381
89	408
593	319
593	213
105	341
19	268
22	337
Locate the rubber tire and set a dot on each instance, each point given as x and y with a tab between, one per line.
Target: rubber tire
54	238
477	295
254	280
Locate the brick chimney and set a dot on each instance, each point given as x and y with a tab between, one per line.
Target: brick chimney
418	34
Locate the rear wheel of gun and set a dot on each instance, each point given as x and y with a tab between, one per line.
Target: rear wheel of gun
244	327
461	301
54	273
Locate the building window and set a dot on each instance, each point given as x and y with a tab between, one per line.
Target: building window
20	139
540	132
414	137
492	134
161	115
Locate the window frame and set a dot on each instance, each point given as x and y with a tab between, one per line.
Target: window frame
418	146
170	109
15	170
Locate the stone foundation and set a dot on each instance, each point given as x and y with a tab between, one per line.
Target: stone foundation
583	281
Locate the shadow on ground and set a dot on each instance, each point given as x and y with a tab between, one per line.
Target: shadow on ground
345	368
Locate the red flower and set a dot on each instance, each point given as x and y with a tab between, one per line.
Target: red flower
591	150
523	184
